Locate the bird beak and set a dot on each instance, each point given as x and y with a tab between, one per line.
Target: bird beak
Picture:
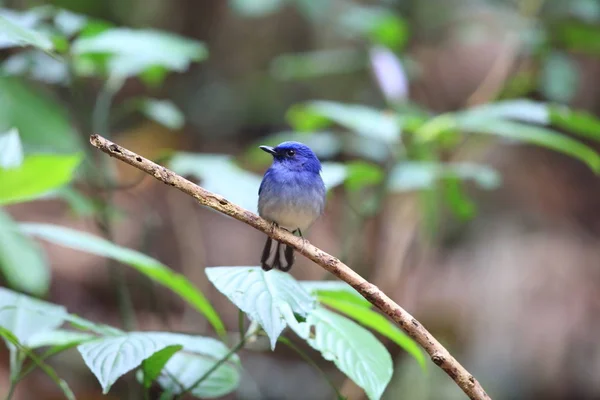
268	149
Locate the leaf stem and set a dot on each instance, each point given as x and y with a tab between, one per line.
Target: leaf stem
241	324
222	361
312	363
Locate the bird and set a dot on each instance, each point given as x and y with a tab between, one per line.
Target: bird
292	196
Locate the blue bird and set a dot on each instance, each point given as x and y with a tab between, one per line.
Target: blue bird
292	196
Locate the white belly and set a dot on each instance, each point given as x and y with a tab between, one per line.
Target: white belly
289	217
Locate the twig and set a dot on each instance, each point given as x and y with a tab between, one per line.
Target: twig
439	355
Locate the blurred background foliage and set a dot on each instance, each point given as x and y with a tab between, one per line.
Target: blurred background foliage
459	140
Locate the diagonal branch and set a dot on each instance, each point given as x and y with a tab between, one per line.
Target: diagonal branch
439	355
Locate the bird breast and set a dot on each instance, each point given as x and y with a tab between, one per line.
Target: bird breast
292	206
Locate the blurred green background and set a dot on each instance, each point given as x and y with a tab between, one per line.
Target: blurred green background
459	141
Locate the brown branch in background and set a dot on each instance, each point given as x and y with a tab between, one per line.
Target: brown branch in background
439	355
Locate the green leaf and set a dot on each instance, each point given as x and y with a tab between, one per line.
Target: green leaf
579	122
379	323
22	261
540	136
165	112
578	37
262	295
148	266
58	337
380	25
334	289
353	349
154	365
14	342
198	356
457	199
417	175
365	121
12	34
523	110
362	174
43	123
25	316
133	52
39	174
11	150
111	357
559	78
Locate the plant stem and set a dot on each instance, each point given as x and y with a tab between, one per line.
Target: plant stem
312	363
11	390
100	123
222	361
241	324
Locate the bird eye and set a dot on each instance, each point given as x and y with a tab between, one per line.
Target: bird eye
291	153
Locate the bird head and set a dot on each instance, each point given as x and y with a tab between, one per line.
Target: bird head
294	156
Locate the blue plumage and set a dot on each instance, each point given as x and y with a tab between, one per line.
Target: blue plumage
291	195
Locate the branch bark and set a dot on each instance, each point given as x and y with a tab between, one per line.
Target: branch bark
439	355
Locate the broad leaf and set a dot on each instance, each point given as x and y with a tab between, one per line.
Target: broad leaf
578	122
22	261
42	121
261	295
379	323
415	175
521	110
58	337
353	349
11	150
25	316
111	357
13	34
198	356
365	121
532	134
133	52
39	174
153	366
148	266
165	112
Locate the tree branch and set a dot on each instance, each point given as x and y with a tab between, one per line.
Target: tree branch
439	355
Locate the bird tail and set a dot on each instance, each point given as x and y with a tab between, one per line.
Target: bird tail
277	255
